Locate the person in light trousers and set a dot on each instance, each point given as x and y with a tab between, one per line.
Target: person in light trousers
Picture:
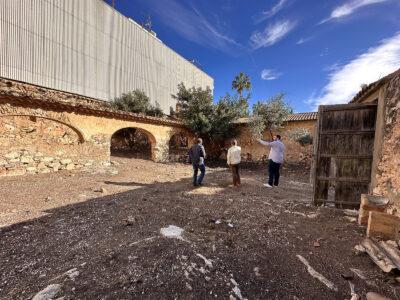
233	159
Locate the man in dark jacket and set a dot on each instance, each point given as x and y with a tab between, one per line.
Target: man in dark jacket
197	154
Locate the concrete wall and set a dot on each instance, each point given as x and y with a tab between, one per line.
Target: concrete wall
88	48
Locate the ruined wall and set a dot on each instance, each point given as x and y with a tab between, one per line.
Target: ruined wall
38	145
43	130
310	125
253	151
388	169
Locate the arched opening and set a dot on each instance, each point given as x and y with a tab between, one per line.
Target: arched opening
132	143
178	147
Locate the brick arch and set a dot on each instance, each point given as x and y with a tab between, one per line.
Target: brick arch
149	135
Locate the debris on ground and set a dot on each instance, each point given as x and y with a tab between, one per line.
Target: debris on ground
172	231
48	293
376	296
206	261
351	219
129	221
83	230
351	212
236	290
317	275
353	294
378	255
358	249
72	274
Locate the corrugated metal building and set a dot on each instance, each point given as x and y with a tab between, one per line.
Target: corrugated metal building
87	47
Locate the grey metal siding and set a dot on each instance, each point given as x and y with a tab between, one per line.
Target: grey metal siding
88	48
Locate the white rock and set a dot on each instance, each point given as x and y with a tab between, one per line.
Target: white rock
172	231
31	169
66	161
48	293
70	167
12	155
26	159
72	274
47	159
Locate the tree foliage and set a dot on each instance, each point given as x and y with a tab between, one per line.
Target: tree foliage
227	110
269	114
241	83
212	121
137	102
195	108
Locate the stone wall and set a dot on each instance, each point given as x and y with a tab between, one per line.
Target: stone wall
252	151
388	170
44	130
30	144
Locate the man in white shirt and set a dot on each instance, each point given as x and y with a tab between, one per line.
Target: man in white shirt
275	159
233	160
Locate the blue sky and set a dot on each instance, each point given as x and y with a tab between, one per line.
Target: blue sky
315	51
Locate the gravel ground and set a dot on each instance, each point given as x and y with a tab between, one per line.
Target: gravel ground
97	236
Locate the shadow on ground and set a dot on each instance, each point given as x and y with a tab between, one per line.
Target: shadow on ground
240	242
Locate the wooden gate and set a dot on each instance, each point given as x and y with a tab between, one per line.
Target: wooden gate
343	153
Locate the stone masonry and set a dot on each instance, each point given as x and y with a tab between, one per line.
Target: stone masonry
388	173
44	130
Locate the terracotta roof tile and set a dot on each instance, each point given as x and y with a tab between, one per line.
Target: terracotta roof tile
306	116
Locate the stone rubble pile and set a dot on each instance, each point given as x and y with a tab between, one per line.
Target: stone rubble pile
22	162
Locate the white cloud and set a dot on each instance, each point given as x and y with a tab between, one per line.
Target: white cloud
301	41
272	12
268	74
349	8
190	23
345	81
272	34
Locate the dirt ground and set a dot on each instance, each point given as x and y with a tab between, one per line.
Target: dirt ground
97	236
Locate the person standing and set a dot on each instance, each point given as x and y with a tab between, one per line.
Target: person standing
197	155
233	160
275	159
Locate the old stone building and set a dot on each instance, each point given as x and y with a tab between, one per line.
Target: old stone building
385	177
44	130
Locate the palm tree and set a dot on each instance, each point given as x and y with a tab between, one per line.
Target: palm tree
241	83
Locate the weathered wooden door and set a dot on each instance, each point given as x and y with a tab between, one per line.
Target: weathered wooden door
343	153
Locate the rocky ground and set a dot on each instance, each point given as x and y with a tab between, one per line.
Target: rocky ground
145	232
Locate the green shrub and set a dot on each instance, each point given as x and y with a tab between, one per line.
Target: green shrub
302	136
137	102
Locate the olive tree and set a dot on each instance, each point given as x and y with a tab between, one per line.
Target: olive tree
137	102
269	115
